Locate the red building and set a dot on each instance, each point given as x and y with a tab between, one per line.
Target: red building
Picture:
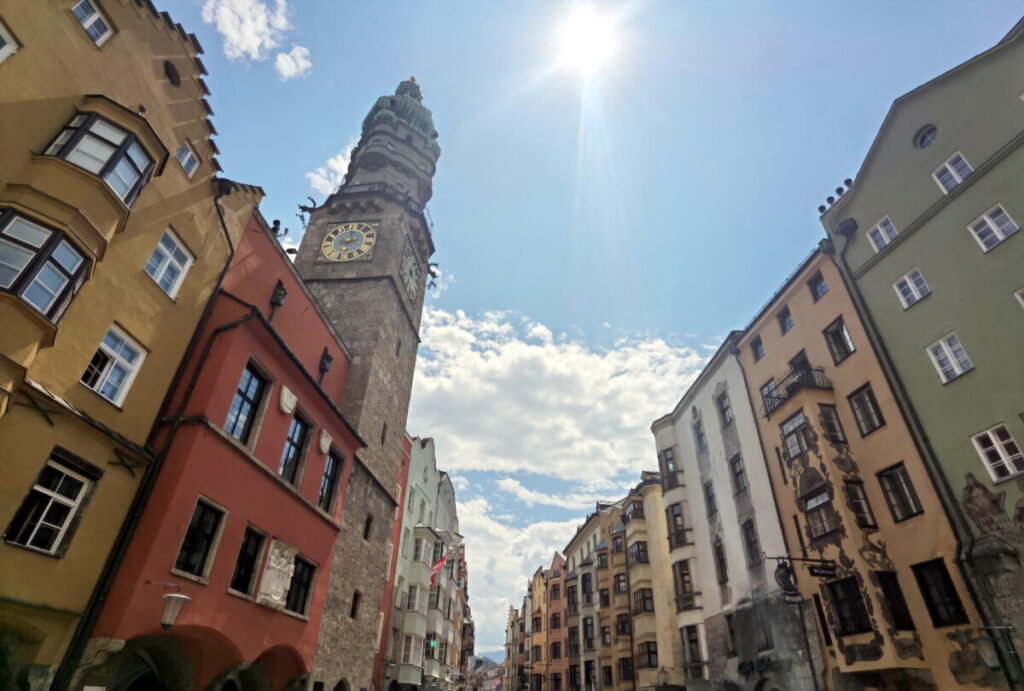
245	511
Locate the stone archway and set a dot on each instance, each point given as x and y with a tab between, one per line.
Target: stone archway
154	662
284	668
343	686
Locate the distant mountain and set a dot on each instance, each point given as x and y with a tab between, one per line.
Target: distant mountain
497	656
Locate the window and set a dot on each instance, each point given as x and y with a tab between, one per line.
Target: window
39	264
950	174
248	561
676	526
725	409
603	597
588	633
622	624
831	424
556	620
187	158
625	669
817	286
635	509
837	338
795	431
607	678
602	561
329	483
44	517
637	554
950	358
899	493
643	601
911	288
757	348
865	410
556	650
925	136
556	591
668	458
8	46
751	545
169	263
693	658
243	407
897	606
368	528
858	501
556	682
293	444
939	593
739	473
200	536
769	397
412	650
649	655
721	563
298	590
106	150
821	516
93	21
617	544
992	227
699	438
851	613
113	368
620	582
412	603
785	318
683	577
730	625
1000	453
882	234
709	498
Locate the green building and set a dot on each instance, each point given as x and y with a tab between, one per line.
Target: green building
928	238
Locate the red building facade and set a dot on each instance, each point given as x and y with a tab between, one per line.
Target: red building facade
244	514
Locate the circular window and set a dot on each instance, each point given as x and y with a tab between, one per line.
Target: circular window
925	136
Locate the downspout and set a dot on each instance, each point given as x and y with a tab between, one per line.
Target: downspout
69	664
950	506
734	351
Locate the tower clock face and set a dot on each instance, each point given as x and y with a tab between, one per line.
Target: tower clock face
345	242
410	272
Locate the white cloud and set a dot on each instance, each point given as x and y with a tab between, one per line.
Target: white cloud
328	177
442	282
460	483
500	558
250	28
293	64
507	395
574	502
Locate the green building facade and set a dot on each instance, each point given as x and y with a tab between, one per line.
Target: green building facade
928	238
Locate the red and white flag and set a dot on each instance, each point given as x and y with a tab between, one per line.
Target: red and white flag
436	568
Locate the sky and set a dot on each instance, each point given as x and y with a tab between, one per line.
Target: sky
598	234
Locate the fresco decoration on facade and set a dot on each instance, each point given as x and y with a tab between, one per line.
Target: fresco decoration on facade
965	661
985	507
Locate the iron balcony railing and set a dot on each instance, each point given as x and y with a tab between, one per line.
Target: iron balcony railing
677	538
694	670
791	384
686	601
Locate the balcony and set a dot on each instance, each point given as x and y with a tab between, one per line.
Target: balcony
793	383
677	538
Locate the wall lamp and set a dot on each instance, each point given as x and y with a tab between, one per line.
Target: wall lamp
173	603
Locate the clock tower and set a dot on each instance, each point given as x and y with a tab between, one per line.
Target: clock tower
364	257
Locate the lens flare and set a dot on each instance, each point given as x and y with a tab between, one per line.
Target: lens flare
587	40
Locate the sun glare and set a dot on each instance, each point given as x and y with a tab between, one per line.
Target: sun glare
587	40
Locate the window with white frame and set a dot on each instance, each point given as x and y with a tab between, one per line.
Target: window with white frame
1000	452
187	158
992	227
88	14
169	263
113	368
8	45
882	234
39	264
949	357
106	150
950	174
911	288
43	519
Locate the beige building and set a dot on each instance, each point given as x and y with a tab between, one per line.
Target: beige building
113	236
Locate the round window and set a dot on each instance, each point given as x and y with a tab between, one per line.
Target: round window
925	136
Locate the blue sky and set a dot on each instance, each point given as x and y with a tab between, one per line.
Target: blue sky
597	237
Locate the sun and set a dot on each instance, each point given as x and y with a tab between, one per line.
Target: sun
587	40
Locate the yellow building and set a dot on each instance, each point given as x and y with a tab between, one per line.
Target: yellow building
113	235
617	654
538	644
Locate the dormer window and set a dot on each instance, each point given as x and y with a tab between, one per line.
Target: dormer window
950	174
106	150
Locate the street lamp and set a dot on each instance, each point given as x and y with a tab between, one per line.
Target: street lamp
172	606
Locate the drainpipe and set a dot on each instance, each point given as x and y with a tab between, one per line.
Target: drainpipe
950	506
65	674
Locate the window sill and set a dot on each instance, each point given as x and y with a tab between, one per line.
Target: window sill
241	595
100	396
907	518
295	615
864	435
958	377
916	302
34	550
1016	475
201	580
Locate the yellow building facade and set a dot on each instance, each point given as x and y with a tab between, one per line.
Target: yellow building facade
113	235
